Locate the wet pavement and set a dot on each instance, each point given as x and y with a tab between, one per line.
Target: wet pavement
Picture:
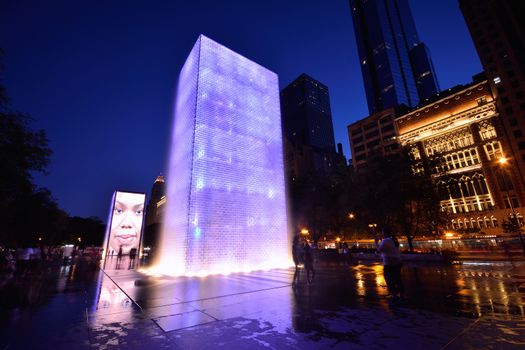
473	305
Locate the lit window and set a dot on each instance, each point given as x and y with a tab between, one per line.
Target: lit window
497	80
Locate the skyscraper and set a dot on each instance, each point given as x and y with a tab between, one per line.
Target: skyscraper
307	117
307	126
396	67
498	31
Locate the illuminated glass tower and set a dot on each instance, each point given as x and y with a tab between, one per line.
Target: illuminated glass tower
226	196
396	67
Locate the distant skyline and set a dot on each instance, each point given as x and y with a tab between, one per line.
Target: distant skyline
100	77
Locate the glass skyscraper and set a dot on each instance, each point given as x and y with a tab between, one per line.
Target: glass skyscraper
396	67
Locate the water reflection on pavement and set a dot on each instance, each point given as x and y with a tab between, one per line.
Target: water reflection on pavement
79	306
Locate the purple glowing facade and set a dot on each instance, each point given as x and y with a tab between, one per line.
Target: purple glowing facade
226	201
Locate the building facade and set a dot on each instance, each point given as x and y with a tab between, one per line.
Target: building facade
157	201
306	113
375	133
498	31
459	140
308	130
396	67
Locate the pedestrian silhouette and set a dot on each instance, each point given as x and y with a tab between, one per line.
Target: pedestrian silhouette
308	263
296	255
119	258
132	255
388	246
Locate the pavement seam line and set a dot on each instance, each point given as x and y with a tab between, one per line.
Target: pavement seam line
130	298
217	297
460	334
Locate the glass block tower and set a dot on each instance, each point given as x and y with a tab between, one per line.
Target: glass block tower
226	195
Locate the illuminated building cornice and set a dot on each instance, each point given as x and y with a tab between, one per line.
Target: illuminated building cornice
452	112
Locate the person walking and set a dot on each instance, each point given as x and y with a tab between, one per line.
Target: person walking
309	263
132	256
388	246
119	258
296	255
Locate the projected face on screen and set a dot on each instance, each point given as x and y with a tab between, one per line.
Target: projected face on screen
126	223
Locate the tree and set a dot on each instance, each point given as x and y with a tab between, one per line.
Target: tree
388	192
25	209
90	230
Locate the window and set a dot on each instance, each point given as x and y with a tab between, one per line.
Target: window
372	144
517	133
372	134
493	150
521	145
370	126
513	122
509	110
487	131
357	139
387	128
359	149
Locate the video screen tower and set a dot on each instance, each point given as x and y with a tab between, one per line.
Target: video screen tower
226	200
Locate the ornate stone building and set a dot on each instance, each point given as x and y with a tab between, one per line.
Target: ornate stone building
459	140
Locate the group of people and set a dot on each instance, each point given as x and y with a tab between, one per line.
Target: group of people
302	253
132	257
387	245
27	259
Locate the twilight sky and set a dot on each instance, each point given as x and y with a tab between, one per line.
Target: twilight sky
100	76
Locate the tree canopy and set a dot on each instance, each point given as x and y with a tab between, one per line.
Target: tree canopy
27	211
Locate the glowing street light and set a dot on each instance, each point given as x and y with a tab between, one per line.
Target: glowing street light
351	216
304	231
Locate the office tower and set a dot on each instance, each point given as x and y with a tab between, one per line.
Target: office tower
226	200
307	117
498	31
375	133
307	126
396	67
458	140
157	201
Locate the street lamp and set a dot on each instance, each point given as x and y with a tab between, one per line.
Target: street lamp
503	161
351	217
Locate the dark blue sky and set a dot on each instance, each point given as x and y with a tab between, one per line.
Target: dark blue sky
99	76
